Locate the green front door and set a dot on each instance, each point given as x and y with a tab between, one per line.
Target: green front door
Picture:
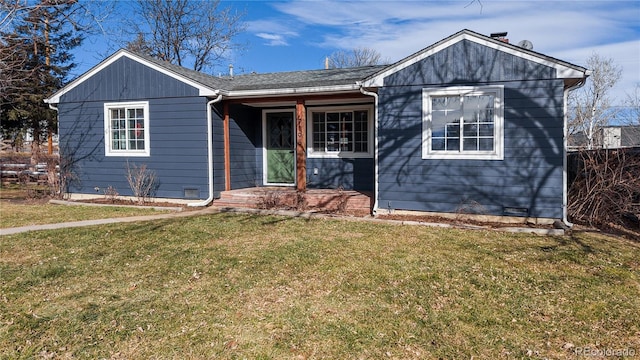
280	154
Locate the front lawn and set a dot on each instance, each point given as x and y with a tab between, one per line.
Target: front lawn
17	215
263	287
18	208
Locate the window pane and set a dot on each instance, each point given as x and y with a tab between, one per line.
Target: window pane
318	132
485	130
333	132
453	130
361	131
438	122
485	144
470	130
453	145
470	144
485	116
445	103
437	144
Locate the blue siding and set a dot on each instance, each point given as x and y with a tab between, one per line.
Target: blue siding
245	150
469	62
348	174
125	80
530	176
218	150
177	131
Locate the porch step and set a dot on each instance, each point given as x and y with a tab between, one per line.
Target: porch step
328	200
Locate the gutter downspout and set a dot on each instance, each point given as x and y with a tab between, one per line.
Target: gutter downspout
375	146
209	153
565	180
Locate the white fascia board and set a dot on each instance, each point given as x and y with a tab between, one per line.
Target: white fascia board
292	91
562	71
203	90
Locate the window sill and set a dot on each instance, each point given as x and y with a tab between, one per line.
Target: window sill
462	156
339	155
128	154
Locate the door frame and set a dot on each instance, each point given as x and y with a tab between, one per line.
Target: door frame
264	145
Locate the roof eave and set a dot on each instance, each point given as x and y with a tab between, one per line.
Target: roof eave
312	90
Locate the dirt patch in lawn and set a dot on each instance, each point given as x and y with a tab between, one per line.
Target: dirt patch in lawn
462	222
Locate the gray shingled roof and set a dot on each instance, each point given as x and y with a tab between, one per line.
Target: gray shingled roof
281	80
300	79
213	82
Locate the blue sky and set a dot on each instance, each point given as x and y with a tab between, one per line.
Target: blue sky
298	35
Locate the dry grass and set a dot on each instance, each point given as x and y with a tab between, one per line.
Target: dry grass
15	215
245	286
17	209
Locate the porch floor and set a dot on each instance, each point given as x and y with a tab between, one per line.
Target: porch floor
316	200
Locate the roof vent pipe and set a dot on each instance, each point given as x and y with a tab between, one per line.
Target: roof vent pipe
231	70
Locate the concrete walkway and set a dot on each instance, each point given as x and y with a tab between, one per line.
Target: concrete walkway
290	213
74	224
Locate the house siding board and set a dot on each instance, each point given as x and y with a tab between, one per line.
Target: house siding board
126	79
218	149
530	176
467	61
177	131
345	173
245	131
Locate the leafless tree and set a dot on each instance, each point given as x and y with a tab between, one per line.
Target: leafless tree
195	34
631	115
354	58
590	105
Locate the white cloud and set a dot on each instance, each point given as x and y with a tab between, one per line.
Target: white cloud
277	32
273	39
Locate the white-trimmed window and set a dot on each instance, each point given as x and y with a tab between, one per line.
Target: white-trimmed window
126	127
340	131
463	123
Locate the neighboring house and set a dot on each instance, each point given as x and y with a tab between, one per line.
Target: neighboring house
614	137
608	137
470	121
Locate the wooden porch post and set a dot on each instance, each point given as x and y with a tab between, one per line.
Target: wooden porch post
301	146
227	154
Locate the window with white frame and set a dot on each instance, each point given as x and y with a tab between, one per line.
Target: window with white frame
126	129
463	123
340	131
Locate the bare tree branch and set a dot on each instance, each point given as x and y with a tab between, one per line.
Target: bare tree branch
590	104
185	32
354	58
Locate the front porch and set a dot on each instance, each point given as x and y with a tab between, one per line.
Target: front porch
316	200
